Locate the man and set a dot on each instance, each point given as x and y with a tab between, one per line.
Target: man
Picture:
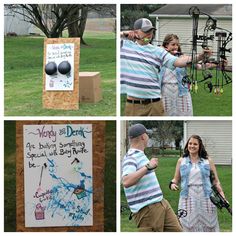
141	63
150	210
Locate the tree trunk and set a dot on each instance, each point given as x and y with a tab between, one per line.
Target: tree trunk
78	22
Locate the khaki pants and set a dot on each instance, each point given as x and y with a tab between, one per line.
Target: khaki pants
157	217
150	109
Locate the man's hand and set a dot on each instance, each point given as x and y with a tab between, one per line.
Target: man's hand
153	163
131	35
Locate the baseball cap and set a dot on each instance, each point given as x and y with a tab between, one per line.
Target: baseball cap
143	24
137	130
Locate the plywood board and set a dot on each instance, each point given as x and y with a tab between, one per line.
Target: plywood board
61	92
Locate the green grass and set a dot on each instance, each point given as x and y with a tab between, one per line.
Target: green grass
23	68
205	103
165	173
10	177
209	104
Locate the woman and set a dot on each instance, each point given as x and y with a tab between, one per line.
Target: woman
176	97
194	171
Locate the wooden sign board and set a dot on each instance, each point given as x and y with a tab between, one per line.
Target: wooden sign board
59	175
61	91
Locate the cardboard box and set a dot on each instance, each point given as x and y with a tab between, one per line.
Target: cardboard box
90	87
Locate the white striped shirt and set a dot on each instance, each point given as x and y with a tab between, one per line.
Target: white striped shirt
147	191
140	68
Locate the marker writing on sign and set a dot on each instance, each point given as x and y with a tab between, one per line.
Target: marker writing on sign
76	132
46	133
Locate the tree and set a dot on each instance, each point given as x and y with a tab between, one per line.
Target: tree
52	19
177	133
77	27
164	131
79	18
131	12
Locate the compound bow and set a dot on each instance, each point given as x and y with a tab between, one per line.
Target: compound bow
223	39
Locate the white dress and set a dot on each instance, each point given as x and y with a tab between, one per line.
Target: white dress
174	105
201	212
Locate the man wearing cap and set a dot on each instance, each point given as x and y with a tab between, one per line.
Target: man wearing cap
140	66
150	211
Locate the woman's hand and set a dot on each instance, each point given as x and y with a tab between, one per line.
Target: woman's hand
219	189
174	187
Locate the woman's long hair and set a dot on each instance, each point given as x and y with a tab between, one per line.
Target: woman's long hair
170	37
201	152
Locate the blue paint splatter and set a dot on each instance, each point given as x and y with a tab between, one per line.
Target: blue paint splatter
64	202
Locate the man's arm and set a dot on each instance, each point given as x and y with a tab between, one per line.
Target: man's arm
132	178
185	60
131	35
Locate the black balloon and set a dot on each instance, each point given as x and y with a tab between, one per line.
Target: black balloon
64	67
51	68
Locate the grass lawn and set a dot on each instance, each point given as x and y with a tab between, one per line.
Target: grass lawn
165	173
10	177
205	103
23	67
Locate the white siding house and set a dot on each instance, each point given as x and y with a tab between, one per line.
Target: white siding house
175	19
14	23
216	136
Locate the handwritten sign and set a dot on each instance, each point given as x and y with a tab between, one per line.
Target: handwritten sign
58	175
58	53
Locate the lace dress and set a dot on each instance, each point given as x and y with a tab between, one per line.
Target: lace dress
201	212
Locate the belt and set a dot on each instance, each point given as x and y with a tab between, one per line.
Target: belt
145	101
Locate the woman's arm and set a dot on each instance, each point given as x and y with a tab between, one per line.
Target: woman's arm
211	65
215	179
174	182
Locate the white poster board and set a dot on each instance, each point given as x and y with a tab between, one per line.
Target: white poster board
58	53
58	177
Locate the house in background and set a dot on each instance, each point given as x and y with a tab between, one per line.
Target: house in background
175	19
216	136
14	23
